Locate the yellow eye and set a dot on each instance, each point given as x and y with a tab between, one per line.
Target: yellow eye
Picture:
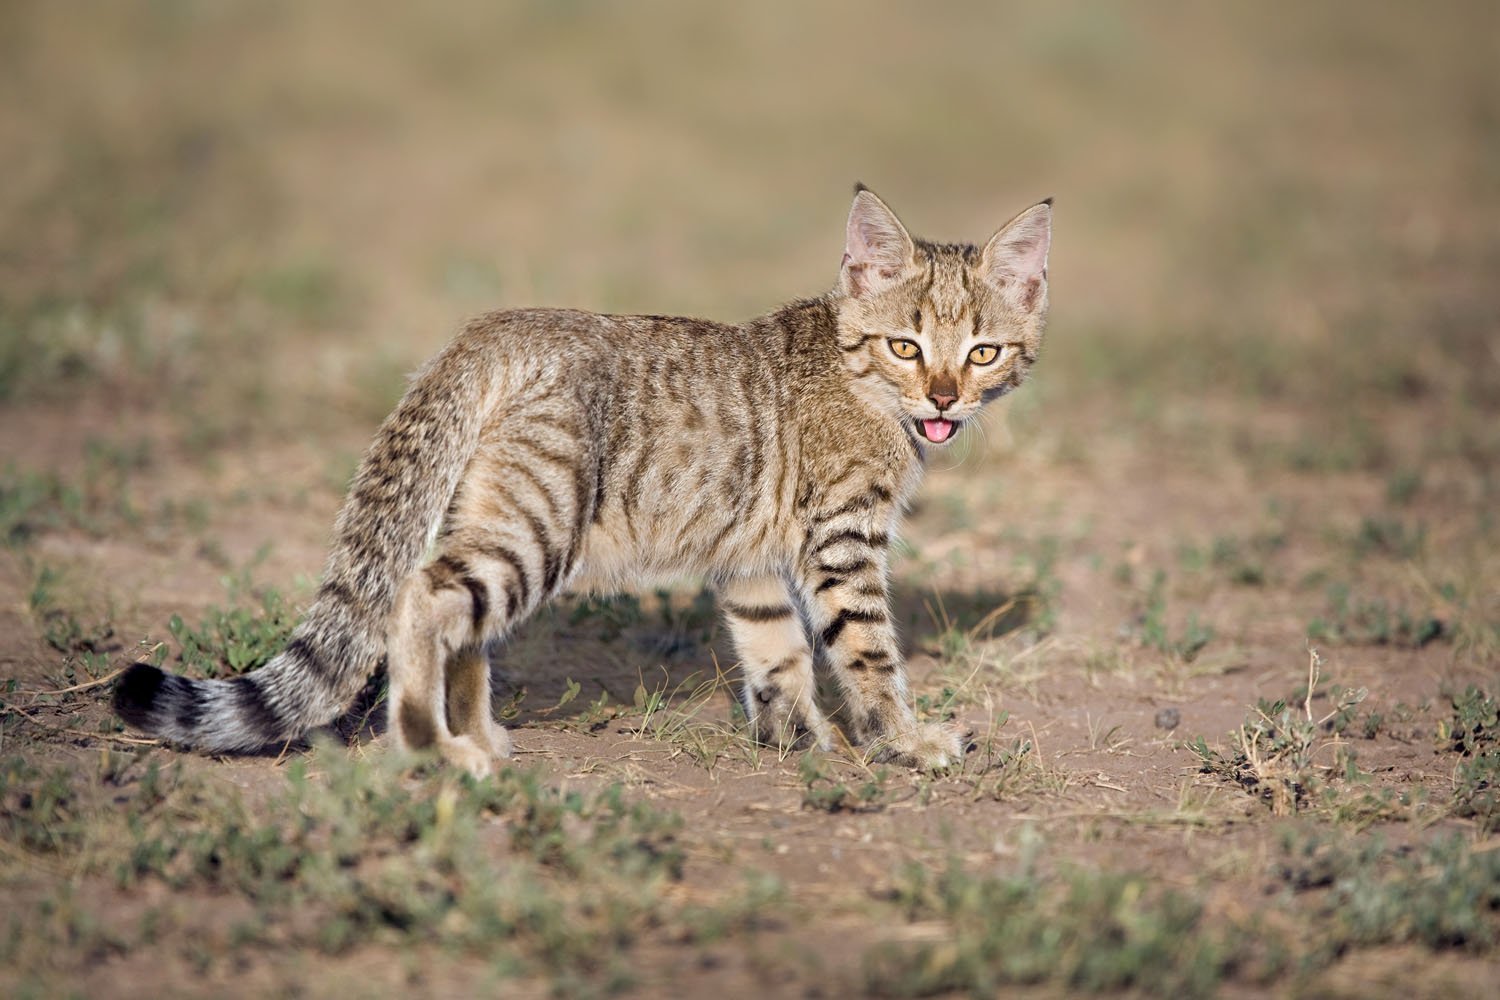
904	349
984	354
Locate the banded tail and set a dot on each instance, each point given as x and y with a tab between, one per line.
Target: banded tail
395	504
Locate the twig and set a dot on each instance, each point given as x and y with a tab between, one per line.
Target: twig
97	682
1312	681
79	733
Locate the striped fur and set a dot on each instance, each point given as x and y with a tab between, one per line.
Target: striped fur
545	449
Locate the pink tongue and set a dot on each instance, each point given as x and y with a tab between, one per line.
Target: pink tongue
937	430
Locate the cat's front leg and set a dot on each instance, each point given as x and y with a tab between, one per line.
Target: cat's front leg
843	575
776	660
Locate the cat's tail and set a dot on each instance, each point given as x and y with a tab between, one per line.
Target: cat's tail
394	507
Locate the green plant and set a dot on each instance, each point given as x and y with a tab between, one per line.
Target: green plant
1390	537
1273	755
236	639
1474	732
823	793
1086	931
1154	632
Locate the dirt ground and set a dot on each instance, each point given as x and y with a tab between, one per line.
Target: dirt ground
1263	440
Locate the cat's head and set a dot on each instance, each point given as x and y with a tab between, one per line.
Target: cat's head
931	332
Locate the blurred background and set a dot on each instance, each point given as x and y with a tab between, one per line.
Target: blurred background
232	228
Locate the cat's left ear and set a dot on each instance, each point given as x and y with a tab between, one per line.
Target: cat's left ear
1015	259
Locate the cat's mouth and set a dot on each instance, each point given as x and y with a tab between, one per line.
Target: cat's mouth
937	429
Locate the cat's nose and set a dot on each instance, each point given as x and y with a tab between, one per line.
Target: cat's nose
942	402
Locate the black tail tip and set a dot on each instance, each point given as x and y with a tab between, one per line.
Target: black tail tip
136	694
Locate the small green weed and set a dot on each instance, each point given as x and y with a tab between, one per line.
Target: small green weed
1273	755
824	793
1016	768
236	639
1475	726
1153	631
1474	732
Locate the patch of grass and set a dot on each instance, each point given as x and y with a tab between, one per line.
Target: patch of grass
1043	585
308	290
1349	445
1390	537
61	625
610	614
1089	931
1242	562
1085	931
1275	754
1402	486
665	624
32	502
62	344
668	713
1373	622
97	500
979	638
1475	725
937	706
1442	895
347	853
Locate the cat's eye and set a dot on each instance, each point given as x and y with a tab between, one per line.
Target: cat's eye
984	354
905	349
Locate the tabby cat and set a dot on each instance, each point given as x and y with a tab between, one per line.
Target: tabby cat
547	449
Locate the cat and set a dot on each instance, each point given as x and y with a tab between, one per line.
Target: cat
544	449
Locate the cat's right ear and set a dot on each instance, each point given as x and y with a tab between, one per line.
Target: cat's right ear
877	248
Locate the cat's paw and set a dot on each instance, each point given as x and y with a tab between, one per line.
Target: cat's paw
500	744
787	724
934	746
476	755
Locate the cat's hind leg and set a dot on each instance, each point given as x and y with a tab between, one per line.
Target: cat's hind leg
510	538
778	691
468	700
439	677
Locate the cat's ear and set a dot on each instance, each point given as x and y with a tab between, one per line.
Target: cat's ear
877	248
1015	258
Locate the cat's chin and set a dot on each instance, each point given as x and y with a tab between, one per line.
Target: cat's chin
937	430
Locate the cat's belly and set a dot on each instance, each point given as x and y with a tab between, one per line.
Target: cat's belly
656	546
